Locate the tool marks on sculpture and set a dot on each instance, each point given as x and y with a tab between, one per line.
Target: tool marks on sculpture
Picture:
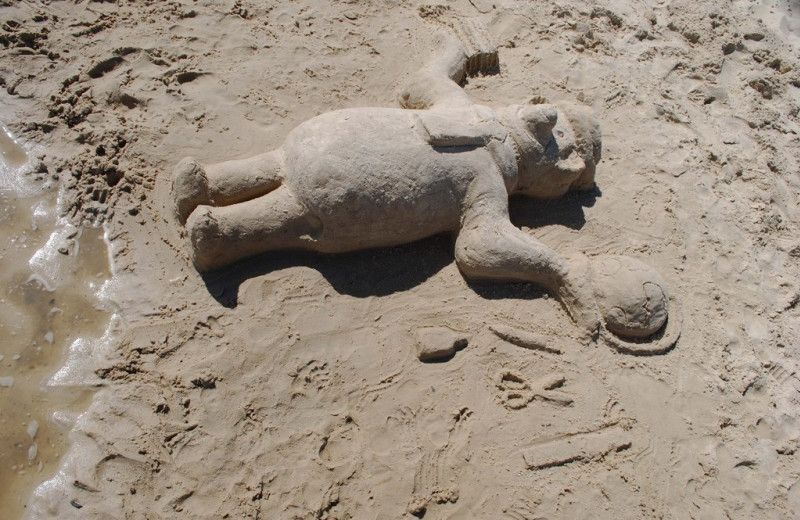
482	56
480	48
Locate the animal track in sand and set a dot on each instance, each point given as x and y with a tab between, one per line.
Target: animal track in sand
313	376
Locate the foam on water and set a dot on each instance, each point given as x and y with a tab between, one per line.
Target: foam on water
15	163
51	275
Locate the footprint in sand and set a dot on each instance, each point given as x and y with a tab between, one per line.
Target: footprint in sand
341	444
436	481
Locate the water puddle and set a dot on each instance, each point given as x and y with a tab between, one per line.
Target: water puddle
50	276
13	154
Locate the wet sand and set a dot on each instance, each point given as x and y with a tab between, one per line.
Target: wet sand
40	316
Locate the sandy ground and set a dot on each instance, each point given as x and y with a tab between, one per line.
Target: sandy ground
289	387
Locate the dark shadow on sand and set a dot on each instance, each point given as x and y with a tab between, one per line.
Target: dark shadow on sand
374	272
380	272
500	290
564	211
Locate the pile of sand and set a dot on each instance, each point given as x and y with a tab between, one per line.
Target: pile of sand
290	388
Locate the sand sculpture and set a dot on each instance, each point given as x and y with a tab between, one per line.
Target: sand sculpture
374	177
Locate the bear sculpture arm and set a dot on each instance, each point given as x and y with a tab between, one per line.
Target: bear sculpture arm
490	247
436	85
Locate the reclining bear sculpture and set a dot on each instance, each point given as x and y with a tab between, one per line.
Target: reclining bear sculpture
374	177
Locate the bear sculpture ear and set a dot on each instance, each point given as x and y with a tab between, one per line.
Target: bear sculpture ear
586	126
540	120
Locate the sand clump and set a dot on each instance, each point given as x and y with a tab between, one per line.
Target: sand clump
290	386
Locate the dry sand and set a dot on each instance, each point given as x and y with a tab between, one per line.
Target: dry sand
289	387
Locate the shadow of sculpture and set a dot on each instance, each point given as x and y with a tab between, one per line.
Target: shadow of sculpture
361	274
384	271
565	211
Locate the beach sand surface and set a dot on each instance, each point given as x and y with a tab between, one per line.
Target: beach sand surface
289	386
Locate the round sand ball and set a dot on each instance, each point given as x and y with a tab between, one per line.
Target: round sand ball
632	296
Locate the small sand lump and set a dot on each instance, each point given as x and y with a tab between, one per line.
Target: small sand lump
438	343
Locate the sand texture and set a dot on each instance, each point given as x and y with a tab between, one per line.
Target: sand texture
291	385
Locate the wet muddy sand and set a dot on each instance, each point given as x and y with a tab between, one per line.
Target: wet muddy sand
44	307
